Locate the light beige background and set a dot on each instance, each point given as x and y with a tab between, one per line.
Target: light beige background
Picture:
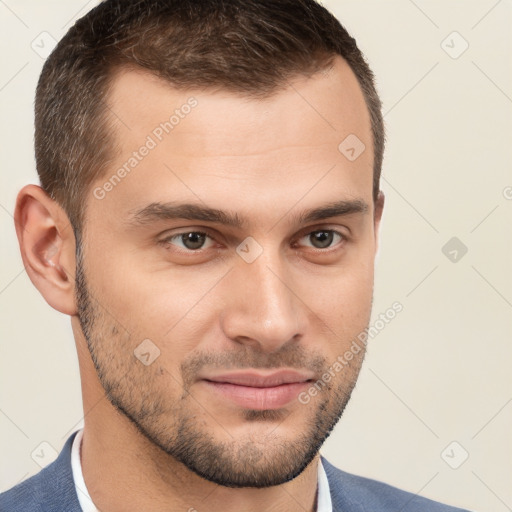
440	371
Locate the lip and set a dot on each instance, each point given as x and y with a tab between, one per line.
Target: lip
259	391
261	379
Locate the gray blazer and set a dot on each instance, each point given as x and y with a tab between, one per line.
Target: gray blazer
53	490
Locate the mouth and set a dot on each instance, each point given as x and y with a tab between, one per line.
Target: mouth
259	391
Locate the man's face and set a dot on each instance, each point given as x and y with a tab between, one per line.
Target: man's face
205	333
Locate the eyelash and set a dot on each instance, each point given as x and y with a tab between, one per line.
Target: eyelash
166	242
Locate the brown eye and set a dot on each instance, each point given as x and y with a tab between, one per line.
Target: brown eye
323	239
191	240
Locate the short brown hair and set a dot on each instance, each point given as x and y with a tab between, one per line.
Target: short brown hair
250	47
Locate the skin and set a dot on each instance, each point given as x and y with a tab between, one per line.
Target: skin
209	311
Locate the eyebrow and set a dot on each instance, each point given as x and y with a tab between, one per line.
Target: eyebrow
159	211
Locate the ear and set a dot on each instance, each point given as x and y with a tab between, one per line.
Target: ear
47	245
379	207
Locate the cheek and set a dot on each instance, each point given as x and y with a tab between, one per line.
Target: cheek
342	311
163	305
343	298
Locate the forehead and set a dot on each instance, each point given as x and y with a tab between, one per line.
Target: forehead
218	147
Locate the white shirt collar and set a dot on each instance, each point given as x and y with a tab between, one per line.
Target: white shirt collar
324	503
76	466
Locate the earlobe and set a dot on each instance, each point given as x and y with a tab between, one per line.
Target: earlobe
47	246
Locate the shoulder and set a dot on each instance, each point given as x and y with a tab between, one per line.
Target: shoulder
53	488
352	493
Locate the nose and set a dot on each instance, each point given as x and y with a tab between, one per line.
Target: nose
261	309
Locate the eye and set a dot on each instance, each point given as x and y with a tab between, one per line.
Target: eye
323	238
190	240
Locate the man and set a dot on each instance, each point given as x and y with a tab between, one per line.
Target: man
208	217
